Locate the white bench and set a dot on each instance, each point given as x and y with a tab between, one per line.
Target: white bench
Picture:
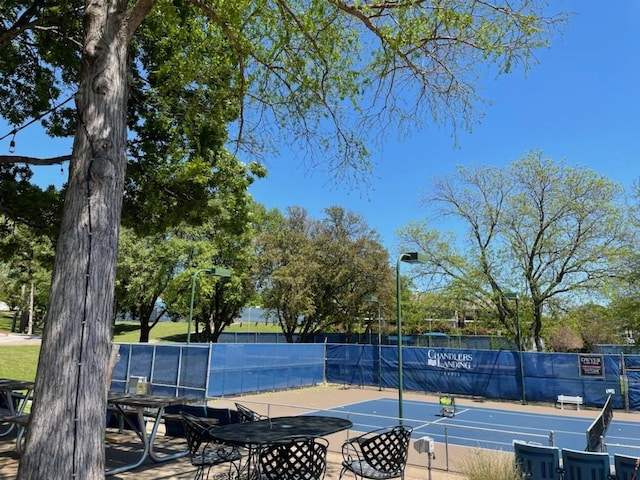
571	399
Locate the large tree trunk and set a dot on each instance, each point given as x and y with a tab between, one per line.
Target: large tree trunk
66	434
145	322
536	325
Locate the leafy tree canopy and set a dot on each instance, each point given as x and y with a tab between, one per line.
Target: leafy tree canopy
315	274
554	230
179	108
320	75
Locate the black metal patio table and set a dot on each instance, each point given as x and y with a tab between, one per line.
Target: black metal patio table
253	435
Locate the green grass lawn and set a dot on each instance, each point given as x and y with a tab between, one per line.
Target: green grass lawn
5	321
129	332
20	361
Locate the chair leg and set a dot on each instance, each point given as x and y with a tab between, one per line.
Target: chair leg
231	475
343	471
199	473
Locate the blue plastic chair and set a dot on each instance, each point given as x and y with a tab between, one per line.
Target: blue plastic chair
626	467
537	462
581	465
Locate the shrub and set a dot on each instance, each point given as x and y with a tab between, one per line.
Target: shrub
490	465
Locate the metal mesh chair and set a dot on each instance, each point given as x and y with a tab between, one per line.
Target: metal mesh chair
205	452
380	454
297	458
247	415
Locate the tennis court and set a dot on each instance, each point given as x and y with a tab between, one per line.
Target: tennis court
487	424
490	428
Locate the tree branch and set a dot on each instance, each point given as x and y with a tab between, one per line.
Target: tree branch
29	20
136	15
12	159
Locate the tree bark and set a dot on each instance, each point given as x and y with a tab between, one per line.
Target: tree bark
146	310
66	435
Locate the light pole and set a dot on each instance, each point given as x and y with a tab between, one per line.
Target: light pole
215	271
249	321
514	296
374	299
412	257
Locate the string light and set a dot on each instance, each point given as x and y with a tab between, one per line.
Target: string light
12	144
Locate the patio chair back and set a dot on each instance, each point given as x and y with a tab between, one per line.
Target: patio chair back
581	465
293	459
245	414
204	451
380	454
537	462
627	468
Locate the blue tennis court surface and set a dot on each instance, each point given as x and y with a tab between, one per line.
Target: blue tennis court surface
488	427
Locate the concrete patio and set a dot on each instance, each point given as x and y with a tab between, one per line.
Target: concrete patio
290	402
446	465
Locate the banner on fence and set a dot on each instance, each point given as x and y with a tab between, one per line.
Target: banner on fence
485	373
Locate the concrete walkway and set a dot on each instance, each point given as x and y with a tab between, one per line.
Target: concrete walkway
19	339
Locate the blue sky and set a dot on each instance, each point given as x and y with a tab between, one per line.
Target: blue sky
581	104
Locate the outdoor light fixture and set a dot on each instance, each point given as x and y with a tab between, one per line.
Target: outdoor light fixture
413	257
215	271
374	299
514	296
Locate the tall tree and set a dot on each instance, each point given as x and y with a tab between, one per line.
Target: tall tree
300	63
353	264
224	240
285	262
566	231
315	273
146	267
538	227
28	259
623	289
150	265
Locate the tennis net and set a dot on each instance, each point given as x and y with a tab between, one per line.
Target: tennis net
598	429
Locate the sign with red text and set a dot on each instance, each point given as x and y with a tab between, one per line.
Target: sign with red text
591	365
